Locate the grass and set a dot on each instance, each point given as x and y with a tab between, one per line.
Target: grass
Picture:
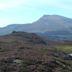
64	48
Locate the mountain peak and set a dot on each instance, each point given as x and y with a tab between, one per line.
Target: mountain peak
52	16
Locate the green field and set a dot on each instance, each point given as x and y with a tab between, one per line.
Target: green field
64	48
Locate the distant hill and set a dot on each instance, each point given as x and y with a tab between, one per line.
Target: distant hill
23	37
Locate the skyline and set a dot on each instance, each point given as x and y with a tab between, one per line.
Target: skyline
27	11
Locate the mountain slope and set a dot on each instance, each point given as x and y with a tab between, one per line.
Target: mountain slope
57	35
27	38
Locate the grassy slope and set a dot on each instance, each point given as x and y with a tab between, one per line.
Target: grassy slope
35	55
64	48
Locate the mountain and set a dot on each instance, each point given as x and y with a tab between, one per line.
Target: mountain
43	24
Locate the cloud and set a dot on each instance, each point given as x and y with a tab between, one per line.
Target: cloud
4	4
64	4
10	3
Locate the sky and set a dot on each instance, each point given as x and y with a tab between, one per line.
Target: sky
27	11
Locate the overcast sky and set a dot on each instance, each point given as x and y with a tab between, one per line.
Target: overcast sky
25	11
